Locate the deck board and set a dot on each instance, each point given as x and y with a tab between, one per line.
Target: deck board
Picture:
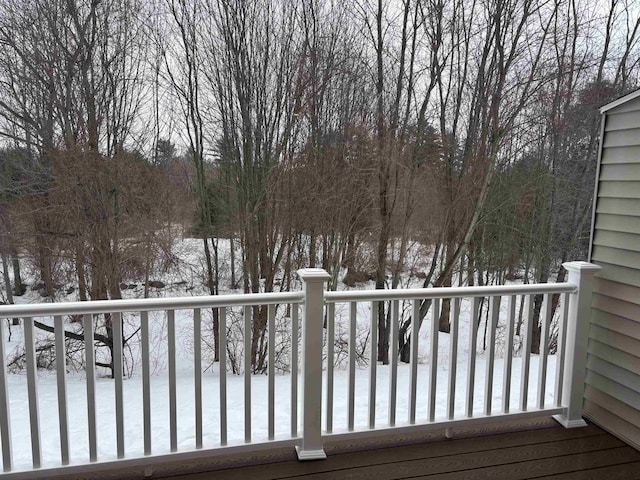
626	471
543	453
544	450
459	465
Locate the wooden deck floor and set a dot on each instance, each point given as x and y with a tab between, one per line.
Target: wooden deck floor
549	452
535	448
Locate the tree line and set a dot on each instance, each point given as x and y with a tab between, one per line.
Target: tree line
341	135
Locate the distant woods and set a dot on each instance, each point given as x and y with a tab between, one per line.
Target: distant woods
431	141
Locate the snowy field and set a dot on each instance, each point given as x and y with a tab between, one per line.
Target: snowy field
105	402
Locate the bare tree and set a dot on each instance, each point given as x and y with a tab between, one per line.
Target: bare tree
487	81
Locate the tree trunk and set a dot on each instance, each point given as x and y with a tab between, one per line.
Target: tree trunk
555	299
7	280
232	251
7	283
535	328
81	273
211	285
313	256
19	288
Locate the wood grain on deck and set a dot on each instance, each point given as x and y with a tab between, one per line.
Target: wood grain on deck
553	452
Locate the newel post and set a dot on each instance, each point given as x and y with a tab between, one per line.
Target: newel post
313	280
580	274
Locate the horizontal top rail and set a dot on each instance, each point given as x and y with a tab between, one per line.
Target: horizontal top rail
148	304
448	292
212	301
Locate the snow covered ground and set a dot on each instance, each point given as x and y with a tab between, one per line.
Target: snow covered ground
189	262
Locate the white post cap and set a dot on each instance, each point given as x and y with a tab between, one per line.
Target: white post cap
579	266
314	275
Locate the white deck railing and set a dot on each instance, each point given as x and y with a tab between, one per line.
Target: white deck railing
309	441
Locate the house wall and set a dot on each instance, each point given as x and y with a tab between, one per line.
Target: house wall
612	395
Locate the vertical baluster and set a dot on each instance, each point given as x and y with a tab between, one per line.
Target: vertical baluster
351	393
544	350
271	325
222	325
433	356
90	368
494	312
560	350
197	371
247	374
413	376
146	380
173	401
331	313
508	354
526	353
90	360
393	361
32	390
5	418
453	358
61	380
473	342
116	325
373	364
294	370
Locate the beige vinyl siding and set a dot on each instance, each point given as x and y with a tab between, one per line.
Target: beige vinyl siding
619	189
620	155
617	223
628	411
620	349
609	305
612	394
627	422
623	379
614	355
604	384
619	291
615	323
622	138
622	121
618	425
621	240
615	273
621	171
618	256
630	206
